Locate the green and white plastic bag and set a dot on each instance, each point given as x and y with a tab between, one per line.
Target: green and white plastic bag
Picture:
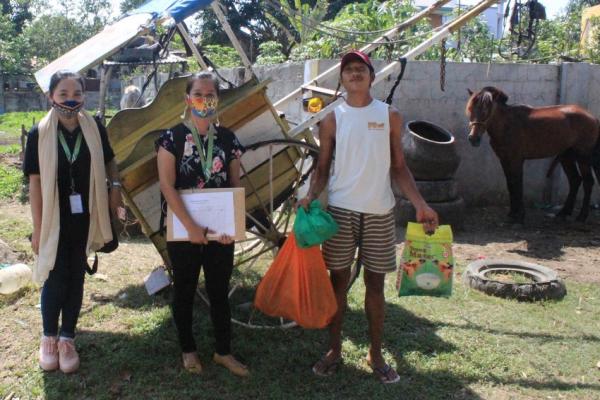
427	264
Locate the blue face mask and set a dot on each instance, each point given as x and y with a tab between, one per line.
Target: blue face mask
69	108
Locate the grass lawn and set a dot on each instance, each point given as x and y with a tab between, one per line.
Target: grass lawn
10	123
11	179
470	346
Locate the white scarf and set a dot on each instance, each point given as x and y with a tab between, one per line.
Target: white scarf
99	230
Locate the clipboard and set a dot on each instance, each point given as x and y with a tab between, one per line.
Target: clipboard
211	207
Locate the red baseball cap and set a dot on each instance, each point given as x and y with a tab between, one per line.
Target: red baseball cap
356	55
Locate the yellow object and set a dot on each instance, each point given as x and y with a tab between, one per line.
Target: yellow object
315	105
587	27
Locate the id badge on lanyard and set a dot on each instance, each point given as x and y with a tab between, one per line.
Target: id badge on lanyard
75	199
76	203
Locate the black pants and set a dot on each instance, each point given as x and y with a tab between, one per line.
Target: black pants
63	290
217	261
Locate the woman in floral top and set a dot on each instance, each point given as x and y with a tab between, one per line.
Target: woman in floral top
199	154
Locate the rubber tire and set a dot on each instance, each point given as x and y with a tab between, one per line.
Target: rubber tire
547	284
449	212
435	191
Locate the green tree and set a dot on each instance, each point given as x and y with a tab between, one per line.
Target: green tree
18	11
50	36
27	43
248	19
474	42
270	53
559	38
301	20
356	25
127	5
222	56
89	15
14	52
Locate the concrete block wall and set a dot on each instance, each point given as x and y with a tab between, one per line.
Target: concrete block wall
480	177
419	96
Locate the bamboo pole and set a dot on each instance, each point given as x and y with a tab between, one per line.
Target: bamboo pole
190	42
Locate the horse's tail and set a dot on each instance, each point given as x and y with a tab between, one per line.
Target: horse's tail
552	166
596	157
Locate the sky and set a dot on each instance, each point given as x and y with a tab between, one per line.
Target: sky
553	7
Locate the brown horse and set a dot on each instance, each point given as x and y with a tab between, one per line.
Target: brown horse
519	133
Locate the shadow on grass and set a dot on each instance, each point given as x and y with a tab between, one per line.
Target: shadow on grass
545	237
144	362
534	335
136	297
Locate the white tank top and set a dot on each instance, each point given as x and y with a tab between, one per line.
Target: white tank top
361	173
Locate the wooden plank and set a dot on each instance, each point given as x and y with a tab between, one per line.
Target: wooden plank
322	90
236	117
128	126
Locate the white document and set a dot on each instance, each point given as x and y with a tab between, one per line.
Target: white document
156	280
214	210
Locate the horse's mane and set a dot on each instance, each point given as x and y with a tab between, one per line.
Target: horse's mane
486	97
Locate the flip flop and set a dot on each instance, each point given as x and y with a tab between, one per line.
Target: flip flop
386	374
326	368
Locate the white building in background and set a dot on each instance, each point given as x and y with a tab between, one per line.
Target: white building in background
494	16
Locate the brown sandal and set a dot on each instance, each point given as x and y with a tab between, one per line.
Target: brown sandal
324	367
191	363
386	374
233	365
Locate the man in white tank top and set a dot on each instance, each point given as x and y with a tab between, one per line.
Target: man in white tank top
365	135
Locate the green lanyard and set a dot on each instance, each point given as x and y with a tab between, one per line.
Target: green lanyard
205	158
71	157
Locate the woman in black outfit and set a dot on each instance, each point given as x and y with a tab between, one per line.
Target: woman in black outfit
200	154
68	161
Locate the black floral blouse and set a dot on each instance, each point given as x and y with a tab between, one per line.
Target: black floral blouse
179	141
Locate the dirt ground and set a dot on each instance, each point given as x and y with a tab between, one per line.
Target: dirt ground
569	247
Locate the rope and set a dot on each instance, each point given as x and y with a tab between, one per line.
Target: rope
398	79
443	65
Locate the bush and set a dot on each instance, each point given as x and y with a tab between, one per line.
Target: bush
270	53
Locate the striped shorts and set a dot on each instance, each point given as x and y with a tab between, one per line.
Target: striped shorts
377	245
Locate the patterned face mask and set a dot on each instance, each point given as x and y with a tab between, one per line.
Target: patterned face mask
205	106
69	108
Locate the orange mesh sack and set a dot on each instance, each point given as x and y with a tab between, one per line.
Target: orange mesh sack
297	287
